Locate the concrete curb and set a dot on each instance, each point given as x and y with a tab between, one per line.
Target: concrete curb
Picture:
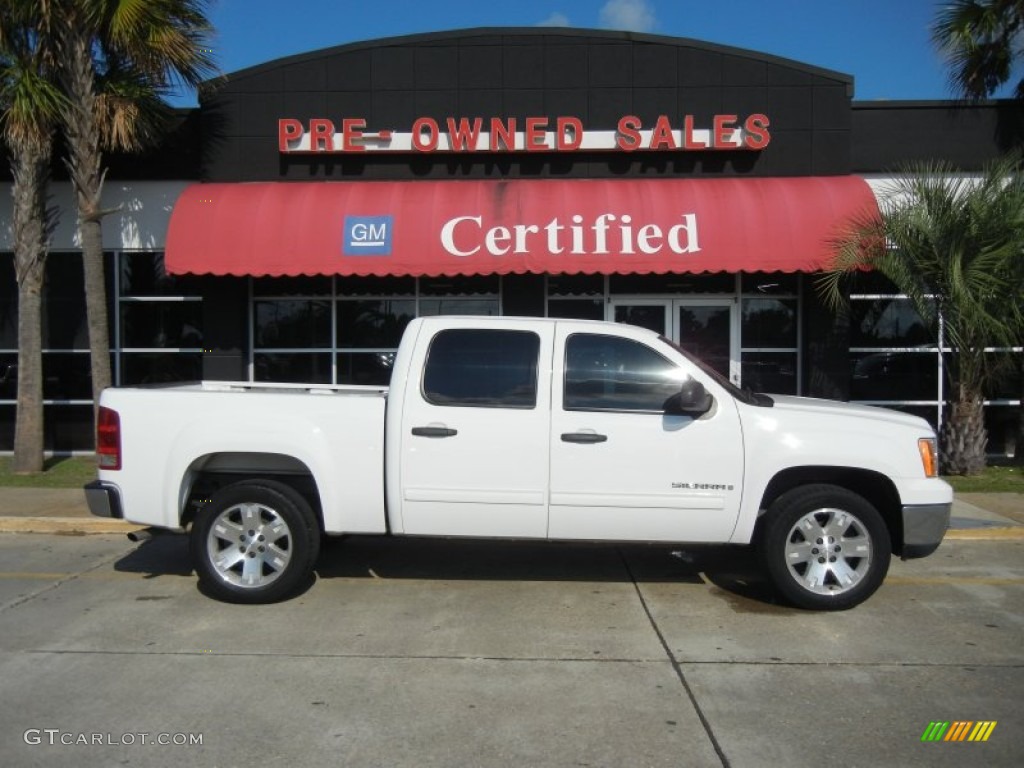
70	526
1015	533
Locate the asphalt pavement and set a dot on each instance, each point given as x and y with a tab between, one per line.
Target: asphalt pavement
437	653
418	653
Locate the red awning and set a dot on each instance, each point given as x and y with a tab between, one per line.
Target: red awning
602	226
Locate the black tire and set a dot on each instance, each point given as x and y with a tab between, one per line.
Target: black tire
825	548
257	541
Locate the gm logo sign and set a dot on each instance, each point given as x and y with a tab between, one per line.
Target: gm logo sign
368	235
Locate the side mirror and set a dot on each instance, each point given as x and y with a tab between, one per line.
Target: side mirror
691	400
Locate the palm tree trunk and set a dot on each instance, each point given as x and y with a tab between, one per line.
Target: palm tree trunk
83	138
31	170
964	437
28	425
96	308
1018	447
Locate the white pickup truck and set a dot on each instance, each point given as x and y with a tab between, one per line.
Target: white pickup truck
523	428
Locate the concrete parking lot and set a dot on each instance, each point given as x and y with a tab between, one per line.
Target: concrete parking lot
449	653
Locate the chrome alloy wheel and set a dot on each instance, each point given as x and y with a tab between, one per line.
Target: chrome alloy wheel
828	551
249	545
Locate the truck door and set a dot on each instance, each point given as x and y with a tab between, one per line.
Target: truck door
475	427
621	468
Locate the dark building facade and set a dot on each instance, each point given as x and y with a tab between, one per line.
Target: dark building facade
293	224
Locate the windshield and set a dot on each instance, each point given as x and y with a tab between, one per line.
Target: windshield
745	395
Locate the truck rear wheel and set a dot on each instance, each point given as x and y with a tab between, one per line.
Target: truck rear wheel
824	547
256	542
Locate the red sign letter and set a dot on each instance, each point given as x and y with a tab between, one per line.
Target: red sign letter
661	137
756	130
321	131
288	129
688	141
565	126
461	136
351	133
629	133
503	136
724	126
535	127
424	125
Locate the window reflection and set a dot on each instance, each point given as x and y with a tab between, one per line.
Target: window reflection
143	274
887	323
894	376
358	331
458	306
576	309
769	323
292	368
66	376
475	367
365	368
373	322
649	316
770	372
616	374
289	323
160	367
161	324
156	311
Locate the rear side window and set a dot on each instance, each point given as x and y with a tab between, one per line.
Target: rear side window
476	367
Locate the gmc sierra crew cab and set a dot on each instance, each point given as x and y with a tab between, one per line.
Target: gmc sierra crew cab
523	428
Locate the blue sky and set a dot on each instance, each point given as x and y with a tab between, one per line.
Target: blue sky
884	44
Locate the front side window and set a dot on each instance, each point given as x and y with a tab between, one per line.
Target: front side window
477	367
609	373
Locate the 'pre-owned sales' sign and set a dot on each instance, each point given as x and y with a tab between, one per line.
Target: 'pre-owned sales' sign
531	134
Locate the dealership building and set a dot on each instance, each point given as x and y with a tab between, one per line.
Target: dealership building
292	224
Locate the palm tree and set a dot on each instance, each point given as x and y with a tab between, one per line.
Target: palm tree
951	244
31	107
982	40
118	57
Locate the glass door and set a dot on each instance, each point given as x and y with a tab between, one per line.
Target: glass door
652	314
707	328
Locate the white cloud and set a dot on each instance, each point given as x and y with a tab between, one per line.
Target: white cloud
556	19
632	15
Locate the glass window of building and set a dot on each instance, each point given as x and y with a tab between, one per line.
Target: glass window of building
346	330
159	322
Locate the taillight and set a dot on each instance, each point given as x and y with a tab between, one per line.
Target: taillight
108	439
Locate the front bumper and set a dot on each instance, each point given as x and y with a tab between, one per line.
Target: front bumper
924	525
104	499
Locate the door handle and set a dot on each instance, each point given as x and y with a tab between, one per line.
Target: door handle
434	432
583	437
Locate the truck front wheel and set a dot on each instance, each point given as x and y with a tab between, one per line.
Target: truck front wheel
256	542
824	547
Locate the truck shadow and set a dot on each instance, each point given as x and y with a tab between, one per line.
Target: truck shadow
730	571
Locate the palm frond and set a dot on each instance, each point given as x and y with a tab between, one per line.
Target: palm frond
166	40
981	42
130	111
954	245
30	102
